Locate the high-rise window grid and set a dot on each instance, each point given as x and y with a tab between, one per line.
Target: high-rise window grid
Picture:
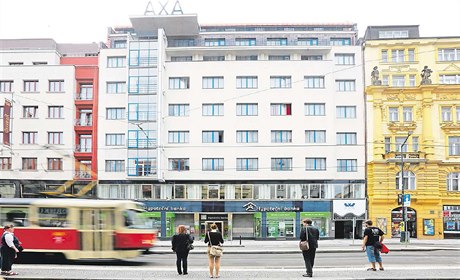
280	82
246	109
56	86
243	82
213	109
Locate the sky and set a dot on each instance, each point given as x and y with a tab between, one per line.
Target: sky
86	21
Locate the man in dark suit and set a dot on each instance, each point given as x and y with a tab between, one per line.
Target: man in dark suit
311	234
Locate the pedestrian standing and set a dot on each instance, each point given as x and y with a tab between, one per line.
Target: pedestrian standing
311	234
213	238
181	242
8	250
373	236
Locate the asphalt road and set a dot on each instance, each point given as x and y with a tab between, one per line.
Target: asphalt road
398	265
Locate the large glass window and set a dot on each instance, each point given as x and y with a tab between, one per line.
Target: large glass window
216	109
178	164
247	164
280	81
315	164
212	164
453	182
281	164
246	109
246	82
346	112
281	136
179	83
409	180
347	165
213	82
247	136
314	81
454	145
315	136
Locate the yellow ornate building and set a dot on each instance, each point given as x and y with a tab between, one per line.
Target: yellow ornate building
413	120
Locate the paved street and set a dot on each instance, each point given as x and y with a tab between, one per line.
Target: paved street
336	259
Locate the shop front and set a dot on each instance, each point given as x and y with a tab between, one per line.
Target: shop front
397	224
349	216
451	221
321	220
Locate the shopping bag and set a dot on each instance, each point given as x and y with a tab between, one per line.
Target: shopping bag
384	249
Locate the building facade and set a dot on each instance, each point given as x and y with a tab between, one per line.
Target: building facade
413	121
253	127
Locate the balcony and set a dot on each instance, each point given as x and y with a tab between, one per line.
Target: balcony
82	175
84	96
402	126
409	157
450	126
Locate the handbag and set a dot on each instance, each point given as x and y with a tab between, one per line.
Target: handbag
303	245
189	245
384	249
216	250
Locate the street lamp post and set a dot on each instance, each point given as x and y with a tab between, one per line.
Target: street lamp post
404	214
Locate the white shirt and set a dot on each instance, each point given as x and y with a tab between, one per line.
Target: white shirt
9	239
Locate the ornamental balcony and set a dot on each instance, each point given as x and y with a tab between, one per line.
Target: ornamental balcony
450	126
408	157
402	126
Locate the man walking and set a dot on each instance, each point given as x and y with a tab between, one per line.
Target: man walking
372	238
311	234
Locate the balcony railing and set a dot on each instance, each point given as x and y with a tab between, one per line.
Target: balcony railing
83	149
402	126
409	157
83	122
83	174
84	96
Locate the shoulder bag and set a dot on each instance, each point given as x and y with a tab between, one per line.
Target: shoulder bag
303	245
189	244
216	250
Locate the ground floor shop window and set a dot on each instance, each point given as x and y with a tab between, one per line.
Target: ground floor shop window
451	221
321	220
154	221
281	224
396	222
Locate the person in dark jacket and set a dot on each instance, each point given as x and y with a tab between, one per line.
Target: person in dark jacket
180	245
311	234
8	250
213	237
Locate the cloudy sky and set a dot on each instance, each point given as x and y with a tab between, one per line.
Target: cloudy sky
84	21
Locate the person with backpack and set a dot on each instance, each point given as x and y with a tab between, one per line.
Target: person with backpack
373	237
181	245
9	250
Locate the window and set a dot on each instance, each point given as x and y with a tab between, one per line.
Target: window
55	138
412	81
142	111
140	139
214	42
213	109
399	141
114	166
178	110
213	58
345	85
177	137
247	164
453	182
115	113
179	191
55	164
246	109
415	147
385	79
181	58
115	139
29	163
409	180
384	55
281	136
86	92
119	44
56	86
448	54
311	57
246	57
276	41
315	136
346	112
449	79
116	87
1	136
345	58
411	55
52	217
213	82
30	112
397	55
31	86
315	109
281	164
407	114
279	57
446	114
55	112
307	41
315	164
314	81
398	80
458	114
245	41
212	164
116	61
247	136
5	163
213	136
142	167
280	81
178	164
246	82
454	145
388	34
29	137
346	138
183	43
393	114
280	109
179	83
347	165
387	144
6	86
340	41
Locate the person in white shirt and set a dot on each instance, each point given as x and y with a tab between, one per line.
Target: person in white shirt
8	250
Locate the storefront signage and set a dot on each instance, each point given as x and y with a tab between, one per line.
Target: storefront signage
164	208
349	209
252	207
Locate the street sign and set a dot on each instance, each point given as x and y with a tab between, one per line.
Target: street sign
406	200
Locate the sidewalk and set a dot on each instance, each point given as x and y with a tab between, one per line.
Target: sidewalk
325	246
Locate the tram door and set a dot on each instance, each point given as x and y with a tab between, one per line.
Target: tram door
96	230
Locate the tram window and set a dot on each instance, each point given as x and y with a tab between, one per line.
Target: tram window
135	219
16	216
52	217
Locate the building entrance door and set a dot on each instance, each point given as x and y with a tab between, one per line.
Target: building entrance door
220	226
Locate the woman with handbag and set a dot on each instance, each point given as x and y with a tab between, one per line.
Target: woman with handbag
182	244
9	252
214	240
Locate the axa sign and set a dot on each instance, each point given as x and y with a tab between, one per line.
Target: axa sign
349	204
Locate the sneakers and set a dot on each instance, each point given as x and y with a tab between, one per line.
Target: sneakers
371	269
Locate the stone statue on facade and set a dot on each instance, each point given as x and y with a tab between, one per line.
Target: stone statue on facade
426	74
375	77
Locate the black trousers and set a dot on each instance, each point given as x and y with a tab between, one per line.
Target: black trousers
8	255
181	259
309	258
